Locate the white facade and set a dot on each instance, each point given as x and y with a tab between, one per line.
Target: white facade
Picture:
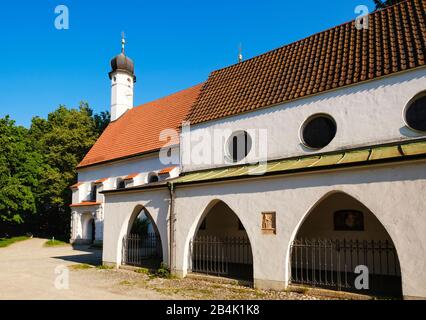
122	85
392	195
106	177
365	114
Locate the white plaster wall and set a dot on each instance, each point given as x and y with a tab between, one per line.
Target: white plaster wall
121	94
143	165
394	193
118	211
120	169
370	113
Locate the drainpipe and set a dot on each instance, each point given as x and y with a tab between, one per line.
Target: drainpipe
172	226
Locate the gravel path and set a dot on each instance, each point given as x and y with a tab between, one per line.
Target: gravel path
27	271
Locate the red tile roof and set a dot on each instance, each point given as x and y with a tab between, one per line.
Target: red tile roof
341	56
138	130
101	180
85	204
167	170
131	176
75	186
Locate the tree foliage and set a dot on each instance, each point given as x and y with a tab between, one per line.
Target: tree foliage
21	167
38	165
381	4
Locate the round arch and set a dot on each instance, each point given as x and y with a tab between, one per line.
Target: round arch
219	233
336	235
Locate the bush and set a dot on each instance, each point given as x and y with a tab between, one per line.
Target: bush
163	272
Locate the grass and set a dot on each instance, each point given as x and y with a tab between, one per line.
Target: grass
55	243
142	270
81	266
104	267
5	242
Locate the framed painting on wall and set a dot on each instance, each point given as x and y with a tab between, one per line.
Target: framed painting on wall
348	220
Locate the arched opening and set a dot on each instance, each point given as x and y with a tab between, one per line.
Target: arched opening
153	177
341	245
88	226
142	245
221	246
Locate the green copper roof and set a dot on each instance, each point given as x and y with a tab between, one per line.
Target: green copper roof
362	156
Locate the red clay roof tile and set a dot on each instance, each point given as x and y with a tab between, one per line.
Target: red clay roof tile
338	57
101	180
138	130
85	204
131	176
167	170
75	186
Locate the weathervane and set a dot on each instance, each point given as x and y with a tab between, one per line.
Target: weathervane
240	53
123	41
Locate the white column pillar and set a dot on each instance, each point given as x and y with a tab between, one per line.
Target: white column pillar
99	225
73	233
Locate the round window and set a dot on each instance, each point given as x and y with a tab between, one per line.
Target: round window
318	131
415	114
239	145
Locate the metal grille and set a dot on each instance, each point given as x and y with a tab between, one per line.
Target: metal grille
222	256
138	250
331	264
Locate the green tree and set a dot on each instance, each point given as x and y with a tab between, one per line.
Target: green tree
63	138
21	167
381	4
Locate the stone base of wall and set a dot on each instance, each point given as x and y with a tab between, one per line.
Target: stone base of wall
270	284
178	274
110	264
414	298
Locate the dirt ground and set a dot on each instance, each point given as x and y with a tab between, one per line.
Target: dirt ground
28	270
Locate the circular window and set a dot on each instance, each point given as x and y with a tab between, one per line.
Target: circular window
239	145
415	114
318	131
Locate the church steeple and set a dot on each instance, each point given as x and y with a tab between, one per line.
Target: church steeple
122	78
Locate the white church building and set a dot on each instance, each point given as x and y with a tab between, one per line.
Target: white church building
303	166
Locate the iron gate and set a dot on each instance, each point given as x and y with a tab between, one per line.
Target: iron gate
222	256
142	250
331	264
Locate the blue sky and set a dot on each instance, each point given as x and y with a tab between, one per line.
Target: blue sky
175	44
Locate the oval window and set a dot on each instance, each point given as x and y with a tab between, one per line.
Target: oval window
239	145
318	131
415	114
